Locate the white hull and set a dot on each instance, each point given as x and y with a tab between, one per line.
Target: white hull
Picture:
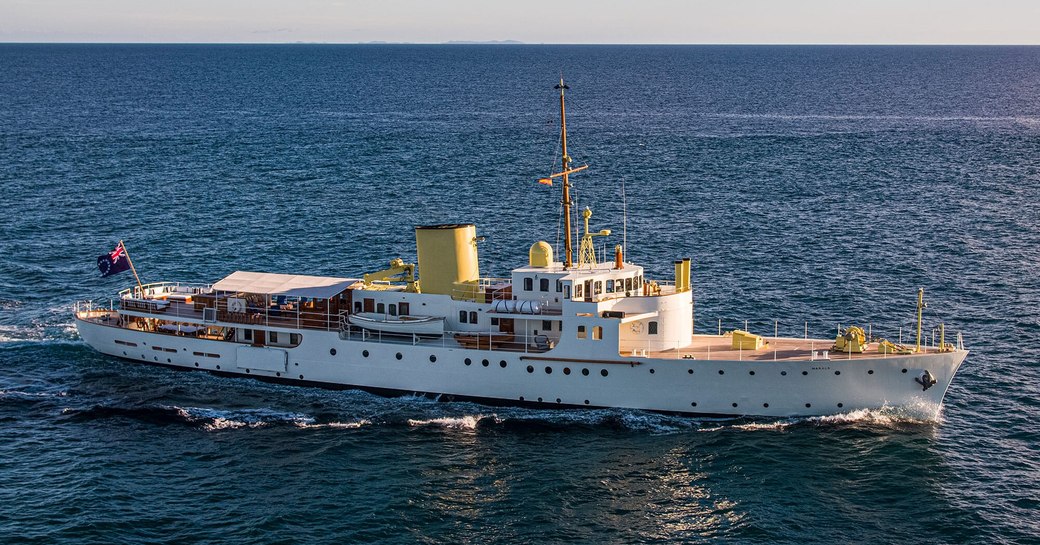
761	388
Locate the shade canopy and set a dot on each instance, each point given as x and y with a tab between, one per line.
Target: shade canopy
292	285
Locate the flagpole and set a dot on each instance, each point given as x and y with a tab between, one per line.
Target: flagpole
134	270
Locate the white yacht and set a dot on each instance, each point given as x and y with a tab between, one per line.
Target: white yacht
556	333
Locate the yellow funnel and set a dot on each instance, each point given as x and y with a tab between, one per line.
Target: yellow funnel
447	256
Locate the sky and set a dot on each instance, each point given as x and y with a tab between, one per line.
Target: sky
528	21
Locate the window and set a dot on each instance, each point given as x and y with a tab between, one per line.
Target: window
567	292
494	321
357	306
598	287
581	332
610	286
547	325
393	309
628	284
403	307
652	328
294	339
597	332
247	334
528	284
473	317
462	316
559	286
380	308
272	336
543	284
577	291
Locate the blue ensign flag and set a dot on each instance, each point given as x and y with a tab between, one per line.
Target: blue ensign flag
113	262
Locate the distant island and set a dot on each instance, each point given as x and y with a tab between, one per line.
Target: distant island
453	42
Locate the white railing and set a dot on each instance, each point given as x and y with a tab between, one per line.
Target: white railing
481	340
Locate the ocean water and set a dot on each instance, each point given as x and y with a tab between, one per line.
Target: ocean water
812	186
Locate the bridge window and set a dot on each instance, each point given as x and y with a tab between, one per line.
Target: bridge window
652	328
597	333
598	287
559	286
628	284
528	284
581	332
577	291
543	284
610	286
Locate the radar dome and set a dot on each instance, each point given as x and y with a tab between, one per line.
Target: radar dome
541	254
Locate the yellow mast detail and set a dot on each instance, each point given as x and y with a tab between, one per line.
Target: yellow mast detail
587	251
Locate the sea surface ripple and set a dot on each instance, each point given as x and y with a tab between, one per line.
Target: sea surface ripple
812	186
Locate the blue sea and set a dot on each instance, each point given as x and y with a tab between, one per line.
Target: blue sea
811	186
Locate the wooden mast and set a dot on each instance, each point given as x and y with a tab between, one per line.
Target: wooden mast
568	252
132	268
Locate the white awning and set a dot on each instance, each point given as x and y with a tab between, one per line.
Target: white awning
292	285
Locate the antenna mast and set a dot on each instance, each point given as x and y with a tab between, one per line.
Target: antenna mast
568	252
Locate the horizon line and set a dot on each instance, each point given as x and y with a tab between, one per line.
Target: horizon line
507	43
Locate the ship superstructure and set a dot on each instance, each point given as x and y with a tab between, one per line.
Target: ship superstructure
585	333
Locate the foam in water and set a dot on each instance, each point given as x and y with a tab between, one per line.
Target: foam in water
467	422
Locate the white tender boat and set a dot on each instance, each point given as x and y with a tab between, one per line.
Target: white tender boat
560	333
422	326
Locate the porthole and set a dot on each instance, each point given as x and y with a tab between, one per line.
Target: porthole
585	372
433	359
398	356
156	358
530	368
502	364
468	361
566	370
548	370
196	364
586	402
804	373
783	373
651	371
277	374
332	351
364	353
721	372
301	377
807	405
247	371
766	405
689	371
904	370
840	405
694	404
870	372
539	400
752	373
521	398
558	400
124	352
837	372
734	405
485	363
168	360
604	372
218	367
